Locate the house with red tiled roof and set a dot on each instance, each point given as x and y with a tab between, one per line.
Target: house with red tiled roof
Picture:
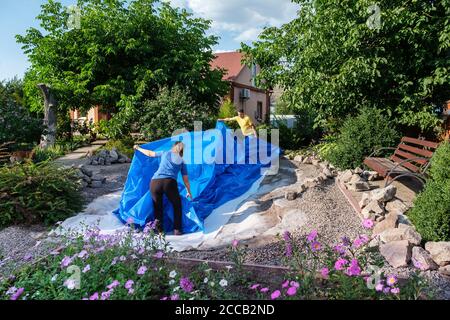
243	91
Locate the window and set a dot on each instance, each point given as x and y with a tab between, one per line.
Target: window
259	111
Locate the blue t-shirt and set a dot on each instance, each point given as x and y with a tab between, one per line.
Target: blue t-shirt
171	164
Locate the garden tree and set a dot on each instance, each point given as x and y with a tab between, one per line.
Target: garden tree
49	138
118	57
16	123
334	59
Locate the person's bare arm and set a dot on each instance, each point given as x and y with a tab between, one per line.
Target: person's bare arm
148	153
188	186
225	119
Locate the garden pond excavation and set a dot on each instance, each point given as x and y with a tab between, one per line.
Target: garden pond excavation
294	200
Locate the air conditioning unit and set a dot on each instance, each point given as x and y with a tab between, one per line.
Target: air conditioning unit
245	94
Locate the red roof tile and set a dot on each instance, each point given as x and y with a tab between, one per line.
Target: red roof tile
231	61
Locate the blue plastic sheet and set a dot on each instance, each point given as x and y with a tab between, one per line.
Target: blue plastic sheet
216	174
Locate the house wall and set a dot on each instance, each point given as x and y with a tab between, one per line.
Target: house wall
244	80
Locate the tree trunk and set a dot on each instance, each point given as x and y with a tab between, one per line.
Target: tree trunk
49	136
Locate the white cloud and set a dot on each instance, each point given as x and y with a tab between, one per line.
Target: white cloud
244	19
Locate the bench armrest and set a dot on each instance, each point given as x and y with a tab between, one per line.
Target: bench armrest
380	149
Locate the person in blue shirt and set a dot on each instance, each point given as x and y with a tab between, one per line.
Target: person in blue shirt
164	181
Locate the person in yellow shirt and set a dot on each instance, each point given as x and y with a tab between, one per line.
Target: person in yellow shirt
244	121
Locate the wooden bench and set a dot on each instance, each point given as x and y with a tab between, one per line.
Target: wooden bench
411	158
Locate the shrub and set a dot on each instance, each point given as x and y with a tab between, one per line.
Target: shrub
227	110
31	193
431	211
171	110
124	145
360	136
46	154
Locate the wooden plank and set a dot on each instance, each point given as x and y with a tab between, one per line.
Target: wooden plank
419	142
408	155
420	152
407	165
375	164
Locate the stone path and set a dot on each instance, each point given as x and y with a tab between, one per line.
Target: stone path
81	153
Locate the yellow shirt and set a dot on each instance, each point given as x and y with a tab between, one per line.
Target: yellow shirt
245	123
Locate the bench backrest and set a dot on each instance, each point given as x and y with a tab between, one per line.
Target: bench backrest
411	148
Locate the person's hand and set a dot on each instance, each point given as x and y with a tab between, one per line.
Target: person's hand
135	147
188	195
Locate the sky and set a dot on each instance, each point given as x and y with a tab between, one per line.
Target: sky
234	21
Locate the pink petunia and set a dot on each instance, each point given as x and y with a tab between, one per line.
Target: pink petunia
87	268
316	246
16	295
295	284
235	243
312	236
340	264
142	270
324	272
175	297
285	284
264	290
94	296
129	284
159	255
291	291
275	295
353	269
66	261
368	223
254	287
391	280
379	287
113	285
395	290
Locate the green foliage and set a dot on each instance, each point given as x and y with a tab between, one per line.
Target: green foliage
124	145
173	109
329	60
33	193
16	123
283	107
359	137
119	57
431	211
50	153
227	110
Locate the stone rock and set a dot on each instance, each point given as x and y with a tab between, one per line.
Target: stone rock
298	158
365	199
422	259
103	153
94	163
396	206
358	170
445	270
379	218
370	175
397	234
114	156
86	179
85	170
323	176
96	184
404	221
127	160
355	178
301	188
84	184
290	195
396	253
440	252
122	160
346	176
101	161
372	209
383	194
374	243
310	183
307	160
315	162
390	222
358	186
328	173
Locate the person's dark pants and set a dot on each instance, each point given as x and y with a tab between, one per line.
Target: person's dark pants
169	187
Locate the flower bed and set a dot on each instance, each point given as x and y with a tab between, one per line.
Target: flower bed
138	265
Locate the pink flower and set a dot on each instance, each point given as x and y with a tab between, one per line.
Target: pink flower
175	297
285	284
113	285
164	298
316	246
379	287
66	261
82	254
87	268
353	269
254	287
287	236
368	223
130	291
129	284
235	243
324	272
130	221
186	284
295	284
94	296
395	290
360	241
106	295
288	251
264	290
391	280
159	255
16	295
142	270
275	295
291	291
340	249
340	264
312	236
